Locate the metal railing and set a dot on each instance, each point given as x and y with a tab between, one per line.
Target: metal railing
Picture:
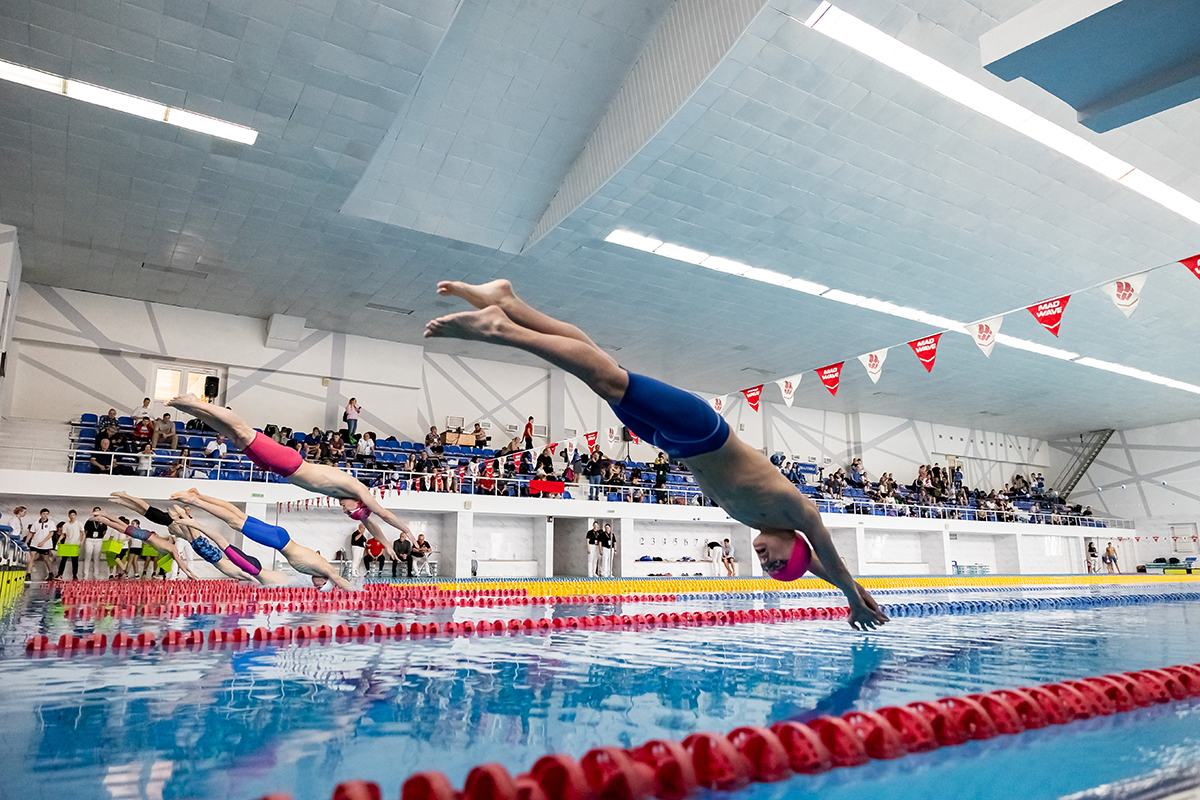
448	480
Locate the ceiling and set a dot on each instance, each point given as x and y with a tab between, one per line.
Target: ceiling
408	141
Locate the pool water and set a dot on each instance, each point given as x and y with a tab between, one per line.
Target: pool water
242	723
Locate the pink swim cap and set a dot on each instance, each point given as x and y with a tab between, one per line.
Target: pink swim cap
797	565
360	513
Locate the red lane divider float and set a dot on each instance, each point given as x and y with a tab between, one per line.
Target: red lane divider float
676	770
324	634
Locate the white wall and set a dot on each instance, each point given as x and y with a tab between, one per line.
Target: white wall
10	284
1150	475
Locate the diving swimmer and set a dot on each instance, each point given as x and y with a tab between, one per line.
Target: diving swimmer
740	479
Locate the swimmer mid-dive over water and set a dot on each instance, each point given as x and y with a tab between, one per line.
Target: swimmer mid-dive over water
267	454
206	543
740	479
302	559
153	539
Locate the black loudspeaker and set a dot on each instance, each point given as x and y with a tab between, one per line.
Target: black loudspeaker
212	385
626	435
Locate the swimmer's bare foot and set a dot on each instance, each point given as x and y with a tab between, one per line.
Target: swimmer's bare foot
486	325
186	402
493	293
187	496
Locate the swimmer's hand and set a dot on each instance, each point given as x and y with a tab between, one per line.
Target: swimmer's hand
865	614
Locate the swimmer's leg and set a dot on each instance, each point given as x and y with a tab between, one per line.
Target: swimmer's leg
500	293
220	419
228	513
580	357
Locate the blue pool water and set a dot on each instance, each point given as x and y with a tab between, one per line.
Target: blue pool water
301	719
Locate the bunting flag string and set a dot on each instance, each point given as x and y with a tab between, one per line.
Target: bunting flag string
926	350
1049	312
788	387
752	395
1126	292
874	363
831	376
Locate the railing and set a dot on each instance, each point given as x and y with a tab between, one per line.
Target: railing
239	468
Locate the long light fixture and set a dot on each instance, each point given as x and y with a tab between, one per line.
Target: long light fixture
889	51
126	103
719	264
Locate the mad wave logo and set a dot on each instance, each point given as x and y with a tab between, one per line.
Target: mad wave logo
984	334
926	350
873	362
1125	291
1050	312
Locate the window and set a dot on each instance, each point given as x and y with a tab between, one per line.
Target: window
1183	538
166	384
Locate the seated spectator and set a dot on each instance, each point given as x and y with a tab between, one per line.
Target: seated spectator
217	448
481	437
365	451
108	425
312	447
164	430
403	548
179	469
316	437
545	462
338	446
374	555
102	459
143	429
421	551
433	441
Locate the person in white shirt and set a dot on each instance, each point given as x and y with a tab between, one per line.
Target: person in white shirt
216	448
41	545
118	565
366	447
727	557
93	544
72	536
144	411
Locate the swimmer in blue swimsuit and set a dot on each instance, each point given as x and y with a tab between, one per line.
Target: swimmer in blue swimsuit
734	475
302	559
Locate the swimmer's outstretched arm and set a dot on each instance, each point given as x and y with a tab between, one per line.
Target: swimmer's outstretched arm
878	617
190	533
828	566
310	562
333	482
161	543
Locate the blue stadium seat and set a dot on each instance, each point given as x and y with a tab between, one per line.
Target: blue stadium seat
124	422
83	466
91	420
87	436
195	443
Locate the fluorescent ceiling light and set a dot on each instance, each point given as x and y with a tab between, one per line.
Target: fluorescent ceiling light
767	276
117	101
631	239
210	125
1034	347
1142	375
870	41
725	265
126	103
680	253
839	296
882	306
31	77
808	287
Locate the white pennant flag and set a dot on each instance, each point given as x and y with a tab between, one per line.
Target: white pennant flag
788	386
1126	292
984	333
718	404
614	436
874	363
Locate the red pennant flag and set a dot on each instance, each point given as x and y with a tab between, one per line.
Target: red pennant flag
752	395
633	437
591	440
1192	264
488	481
1049	312
554	448
926	350
831	376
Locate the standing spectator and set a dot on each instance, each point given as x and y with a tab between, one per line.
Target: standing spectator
608	542
216	448
108	425
164	430
593	550
93	543
594	471
351	414
71	542
420	554
662	467
1093	558
529	434
358	547
146	460
143	411
41	544
403	549
102	459
480	435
